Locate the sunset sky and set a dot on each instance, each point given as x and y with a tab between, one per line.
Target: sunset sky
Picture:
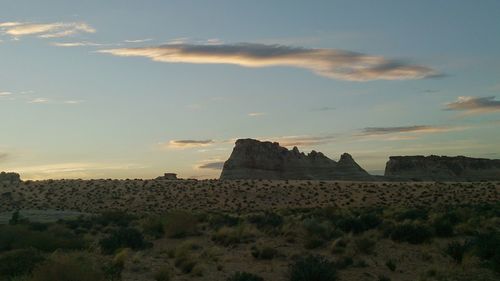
133	89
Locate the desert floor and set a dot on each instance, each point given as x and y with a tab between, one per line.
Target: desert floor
159	196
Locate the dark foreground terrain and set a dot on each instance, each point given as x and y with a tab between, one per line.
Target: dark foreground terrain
249	231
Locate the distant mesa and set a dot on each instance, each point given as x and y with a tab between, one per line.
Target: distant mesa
168	176
253	159
9	178
442	168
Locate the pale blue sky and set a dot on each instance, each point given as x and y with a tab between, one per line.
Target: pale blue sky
74	102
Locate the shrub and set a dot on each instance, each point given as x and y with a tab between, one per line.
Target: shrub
22	237
180	224
217	221
264	253
244	276
19	262
122	238
117	218
183	258
358	224
391	265
153	226
443	227
312	268
163	274
233	235
411	233
65	267
266	220
413	214
456	251
487	247
364	245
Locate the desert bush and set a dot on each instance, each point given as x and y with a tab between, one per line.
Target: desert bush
69	267
412	214
19	262
364	245
358	224
312	268
339	245
122	238
233	235
55	237
183	258
411	233
391	265
317	232
244	276
487	248
163	274
264	252
266	220
117	218
219	220
153	226
456	251
443	226
180	224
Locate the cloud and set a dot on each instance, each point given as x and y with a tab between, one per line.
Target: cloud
180	144
331	63
138	40
73	101
39	100
74	169
212	165
76	44
5	94
305	140
475	105
324	108
45	30
3	156
256	114
403	132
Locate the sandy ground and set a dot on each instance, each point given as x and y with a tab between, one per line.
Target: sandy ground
158	196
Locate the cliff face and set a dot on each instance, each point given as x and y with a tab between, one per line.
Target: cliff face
442	168
253	159
9	177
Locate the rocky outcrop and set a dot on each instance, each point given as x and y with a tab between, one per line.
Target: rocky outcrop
442	168
168	176
9	177
253	159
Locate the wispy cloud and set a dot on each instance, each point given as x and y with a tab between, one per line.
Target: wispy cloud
475	105
304	140
73	169
180	144
404	129
256	114
324	108
3	156
403	132
76	44
73	101
44	30
138	40
39	100
331	63
212	165
5	94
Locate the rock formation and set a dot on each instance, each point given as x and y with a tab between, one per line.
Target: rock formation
253	159
168	176
442	168
9	177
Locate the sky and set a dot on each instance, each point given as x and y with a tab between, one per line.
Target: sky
134	89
